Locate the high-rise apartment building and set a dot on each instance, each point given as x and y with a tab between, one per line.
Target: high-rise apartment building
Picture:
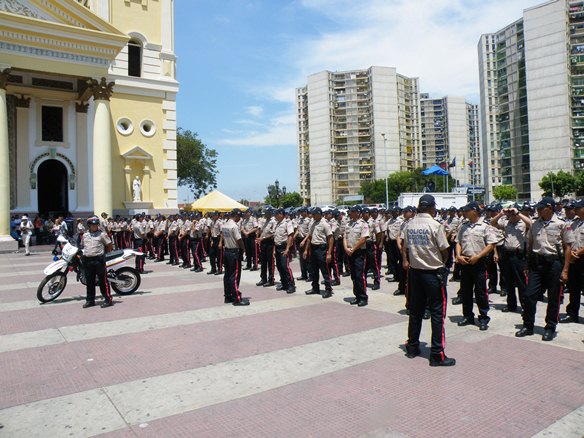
450	133
355	126
532	83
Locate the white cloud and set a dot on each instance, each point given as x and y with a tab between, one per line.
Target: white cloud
254	110
280	130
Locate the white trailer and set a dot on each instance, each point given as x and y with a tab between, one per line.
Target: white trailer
443	200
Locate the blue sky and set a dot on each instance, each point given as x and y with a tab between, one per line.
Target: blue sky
239	62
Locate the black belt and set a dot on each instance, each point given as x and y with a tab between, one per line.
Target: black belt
323	246
283	246
269	240
231	249
516	251
548	258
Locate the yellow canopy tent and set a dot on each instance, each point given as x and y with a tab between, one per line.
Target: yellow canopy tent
215	201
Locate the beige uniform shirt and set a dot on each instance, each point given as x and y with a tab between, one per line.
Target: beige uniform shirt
267	228
94	243
473	238
334	224
319	232
425	238
393	227
216	228
231	234
248	224
282	230
355	231
546	237
451	224
574	234
374	228
515	234
303	226
139	230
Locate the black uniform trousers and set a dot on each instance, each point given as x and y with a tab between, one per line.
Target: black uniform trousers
473	279
333	266
214	256
173	248
372	264
358	274
95	269
195	250
318	263
232	276
427	288
160	246
283	265
575	286
396	266
185	253
267	262
341	255
543	273
513	268
492	274
140	260
304	263
251	257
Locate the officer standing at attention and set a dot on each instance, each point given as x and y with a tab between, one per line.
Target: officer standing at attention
233	247
476	239
283	238
95	244
425	252
139	230
574	240
354	243
544	267
301	233
320	242
371	248
266	242
249	227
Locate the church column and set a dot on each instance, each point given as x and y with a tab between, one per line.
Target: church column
102	146
82	183
23	185
4	157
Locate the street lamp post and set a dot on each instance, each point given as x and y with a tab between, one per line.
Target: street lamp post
385	164
277	193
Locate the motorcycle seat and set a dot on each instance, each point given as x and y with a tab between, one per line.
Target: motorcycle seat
114	254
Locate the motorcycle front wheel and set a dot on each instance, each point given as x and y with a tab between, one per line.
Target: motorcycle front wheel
51	287
128	281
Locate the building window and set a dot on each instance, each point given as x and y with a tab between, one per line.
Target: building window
134	59
52	123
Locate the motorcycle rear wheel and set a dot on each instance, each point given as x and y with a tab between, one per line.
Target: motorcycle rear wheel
51	287
131	281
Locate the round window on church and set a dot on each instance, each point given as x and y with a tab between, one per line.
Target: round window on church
148	128
124	126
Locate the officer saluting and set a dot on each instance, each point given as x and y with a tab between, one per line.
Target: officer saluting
425	251
95	244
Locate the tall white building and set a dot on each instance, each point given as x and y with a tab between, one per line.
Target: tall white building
533	106
450	134
355	126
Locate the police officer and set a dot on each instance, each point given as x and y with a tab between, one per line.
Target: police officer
303	226
394	260
139	232
283	239
214	252
266	242
95	244
232	246
425	251
574	240
249	227
371	247
333	266
320	242
515	227
475	240
544	268
354	245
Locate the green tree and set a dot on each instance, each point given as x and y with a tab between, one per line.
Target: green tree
579	186
196	164
292	199
558	184
505	193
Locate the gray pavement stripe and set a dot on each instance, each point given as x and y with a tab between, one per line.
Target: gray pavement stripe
157	397
81	332
85	413
570	426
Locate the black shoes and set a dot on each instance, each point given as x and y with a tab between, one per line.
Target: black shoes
361	303
569	318
376	286
243	302
219	273
354	301
89	304
399	292
483	325
345	274
197	270
412	353
254	269
503	293
327	294
426	314
302	278
465	321
335	283
312	292
270	284
508	309
279	287
548	335
260	283
228	300
107	304
211	272
442	362
291	290
525	331
456	301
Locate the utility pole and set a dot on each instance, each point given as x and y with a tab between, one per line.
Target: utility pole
385	165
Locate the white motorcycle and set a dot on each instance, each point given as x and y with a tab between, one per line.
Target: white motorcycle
124	280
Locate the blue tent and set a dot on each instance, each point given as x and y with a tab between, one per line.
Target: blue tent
435	170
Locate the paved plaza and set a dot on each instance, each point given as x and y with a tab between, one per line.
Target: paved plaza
173	361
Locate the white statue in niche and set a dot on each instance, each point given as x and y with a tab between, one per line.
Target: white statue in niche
137	189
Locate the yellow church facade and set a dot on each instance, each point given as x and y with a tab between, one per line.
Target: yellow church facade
87	107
